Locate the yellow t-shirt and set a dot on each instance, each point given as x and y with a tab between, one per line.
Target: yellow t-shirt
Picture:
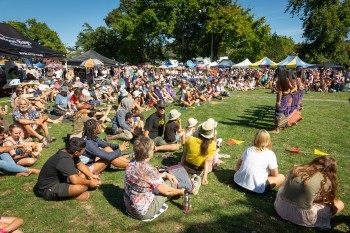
193	151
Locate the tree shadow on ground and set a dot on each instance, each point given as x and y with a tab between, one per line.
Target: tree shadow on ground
260	116
114	195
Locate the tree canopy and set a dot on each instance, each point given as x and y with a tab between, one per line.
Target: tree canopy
326	26
143	30
40	33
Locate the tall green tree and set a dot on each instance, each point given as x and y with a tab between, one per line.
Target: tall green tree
279	47
189	28
103	40
40	33
326	25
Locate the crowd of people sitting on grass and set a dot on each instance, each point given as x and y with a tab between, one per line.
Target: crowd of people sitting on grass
308	197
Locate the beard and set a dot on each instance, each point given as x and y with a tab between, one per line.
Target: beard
23	109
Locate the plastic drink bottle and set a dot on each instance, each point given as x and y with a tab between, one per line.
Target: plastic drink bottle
186	202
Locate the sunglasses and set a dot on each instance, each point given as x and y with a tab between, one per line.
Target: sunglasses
161	108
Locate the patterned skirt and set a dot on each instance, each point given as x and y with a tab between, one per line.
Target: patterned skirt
301	95
295	102
282	112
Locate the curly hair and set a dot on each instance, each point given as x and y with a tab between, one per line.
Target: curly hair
327	166
90	129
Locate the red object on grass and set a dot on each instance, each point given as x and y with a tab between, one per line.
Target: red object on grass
231	142
296	150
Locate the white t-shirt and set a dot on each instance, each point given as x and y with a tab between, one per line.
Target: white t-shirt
43	87
254	169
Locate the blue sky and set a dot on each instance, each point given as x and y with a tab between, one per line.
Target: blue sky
67	17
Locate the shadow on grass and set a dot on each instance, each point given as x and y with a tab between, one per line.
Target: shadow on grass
260	116
114	195
173	160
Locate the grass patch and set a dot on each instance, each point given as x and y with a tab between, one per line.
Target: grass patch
220	206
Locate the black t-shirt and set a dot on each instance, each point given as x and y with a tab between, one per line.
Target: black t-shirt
155	125
171	129
56	170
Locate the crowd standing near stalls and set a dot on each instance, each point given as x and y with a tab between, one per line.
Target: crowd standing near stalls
44	94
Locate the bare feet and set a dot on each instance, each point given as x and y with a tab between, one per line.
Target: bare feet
83	197
25	174
275	131
34	171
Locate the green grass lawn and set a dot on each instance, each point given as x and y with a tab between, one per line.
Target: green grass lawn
220	206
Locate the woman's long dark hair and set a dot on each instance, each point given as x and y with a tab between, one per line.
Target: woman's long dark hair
283	81
205	145
90	128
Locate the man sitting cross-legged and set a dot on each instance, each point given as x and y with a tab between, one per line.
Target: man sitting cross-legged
31	120
53	179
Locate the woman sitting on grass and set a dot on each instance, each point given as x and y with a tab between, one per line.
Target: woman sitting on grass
99	154
256	170
309	195
199	151
30	151
145	190
7	163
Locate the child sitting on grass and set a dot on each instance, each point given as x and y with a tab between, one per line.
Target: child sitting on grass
191	127
257	169
173	130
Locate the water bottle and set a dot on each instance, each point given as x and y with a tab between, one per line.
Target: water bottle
186	202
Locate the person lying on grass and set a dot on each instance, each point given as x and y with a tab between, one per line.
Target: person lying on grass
145	190
10	224
99	154
65	165
257	170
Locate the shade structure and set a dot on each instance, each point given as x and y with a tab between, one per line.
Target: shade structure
263	62
292	62
91	63
327	65
14	43
76	61
225	64
244	64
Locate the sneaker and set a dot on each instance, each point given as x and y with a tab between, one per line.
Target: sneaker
109	137
197	182
218	142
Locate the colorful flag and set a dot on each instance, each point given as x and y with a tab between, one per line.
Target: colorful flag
296	150
317	152
234	142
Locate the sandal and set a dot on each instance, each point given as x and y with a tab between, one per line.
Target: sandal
166	155
45	142
50	139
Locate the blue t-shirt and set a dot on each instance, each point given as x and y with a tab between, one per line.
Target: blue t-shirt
62	101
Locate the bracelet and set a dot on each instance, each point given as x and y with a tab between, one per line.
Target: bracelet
3	231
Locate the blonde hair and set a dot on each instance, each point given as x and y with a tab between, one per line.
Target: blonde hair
262	140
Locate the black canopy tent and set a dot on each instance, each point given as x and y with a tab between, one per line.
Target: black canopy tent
91	54
327	65
14	43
